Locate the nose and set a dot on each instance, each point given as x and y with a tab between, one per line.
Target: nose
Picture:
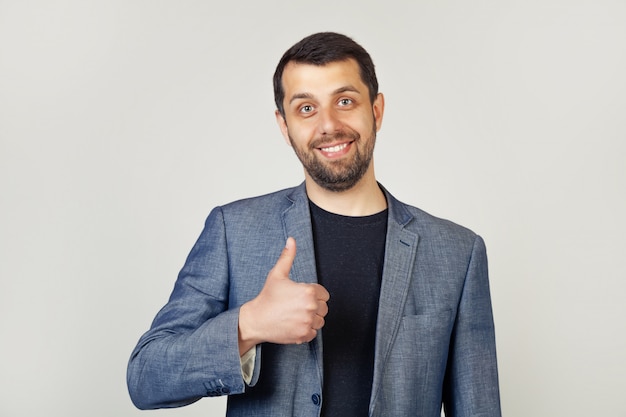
329	122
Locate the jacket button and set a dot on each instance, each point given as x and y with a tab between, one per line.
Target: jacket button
316	399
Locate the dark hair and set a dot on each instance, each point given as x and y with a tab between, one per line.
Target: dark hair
321	49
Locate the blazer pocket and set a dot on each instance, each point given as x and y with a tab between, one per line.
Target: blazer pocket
427	321
418	359
418	356
426	334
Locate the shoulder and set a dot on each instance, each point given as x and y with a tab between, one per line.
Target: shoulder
427	223
258	210
429	227
272	201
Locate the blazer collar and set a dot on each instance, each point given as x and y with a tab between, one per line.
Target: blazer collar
297	224
400	253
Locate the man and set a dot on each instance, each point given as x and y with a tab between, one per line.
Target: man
372	308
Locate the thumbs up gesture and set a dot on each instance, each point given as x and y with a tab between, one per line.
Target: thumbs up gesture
284	312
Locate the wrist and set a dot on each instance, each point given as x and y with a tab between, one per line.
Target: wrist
247	340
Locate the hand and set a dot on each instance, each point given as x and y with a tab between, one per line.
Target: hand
284	312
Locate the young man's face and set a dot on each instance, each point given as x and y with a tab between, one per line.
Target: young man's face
330	122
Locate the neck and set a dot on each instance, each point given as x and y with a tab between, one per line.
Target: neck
364	199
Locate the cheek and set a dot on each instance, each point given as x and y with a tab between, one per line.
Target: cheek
365	126
300	133
361	121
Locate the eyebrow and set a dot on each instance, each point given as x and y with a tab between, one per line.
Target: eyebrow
346	88
308	96
300	96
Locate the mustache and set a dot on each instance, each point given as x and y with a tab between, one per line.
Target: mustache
328	139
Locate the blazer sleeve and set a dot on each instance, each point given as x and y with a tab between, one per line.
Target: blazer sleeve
191	350
471	381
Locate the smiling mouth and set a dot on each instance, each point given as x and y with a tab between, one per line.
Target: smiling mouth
336	148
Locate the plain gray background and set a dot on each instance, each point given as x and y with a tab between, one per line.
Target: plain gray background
122	123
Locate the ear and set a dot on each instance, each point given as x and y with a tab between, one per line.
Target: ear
378	108
282	124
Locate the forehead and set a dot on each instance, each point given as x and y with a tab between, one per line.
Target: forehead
301	78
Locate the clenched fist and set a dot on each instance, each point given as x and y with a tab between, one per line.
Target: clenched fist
284	312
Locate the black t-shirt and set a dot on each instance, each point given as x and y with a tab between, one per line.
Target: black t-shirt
349	255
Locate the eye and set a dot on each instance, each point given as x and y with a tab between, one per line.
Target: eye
307	108
345	102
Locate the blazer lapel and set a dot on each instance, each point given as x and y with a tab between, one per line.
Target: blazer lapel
297	224
400	252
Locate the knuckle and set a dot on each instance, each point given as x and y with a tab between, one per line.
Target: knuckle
311	307
309	336
305	336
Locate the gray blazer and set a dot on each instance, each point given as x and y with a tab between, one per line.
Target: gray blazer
435	339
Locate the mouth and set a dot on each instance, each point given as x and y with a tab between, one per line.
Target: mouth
336	150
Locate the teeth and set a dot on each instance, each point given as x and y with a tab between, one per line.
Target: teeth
335	148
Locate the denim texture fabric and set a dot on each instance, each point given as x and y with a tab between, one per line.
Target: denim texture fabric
435	341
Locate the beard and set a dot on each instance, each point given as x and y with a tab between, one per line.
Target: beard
342	174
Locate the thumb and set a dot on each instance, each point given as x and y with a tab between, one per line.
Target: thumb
285	261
